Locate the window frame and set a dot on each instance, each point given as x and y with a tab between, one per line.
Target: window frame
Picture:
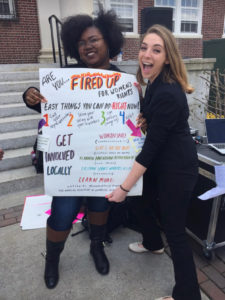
12	11
107	6
177	20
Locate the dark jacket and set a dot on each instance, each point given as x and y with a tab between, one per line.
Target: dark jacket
169	145
37	107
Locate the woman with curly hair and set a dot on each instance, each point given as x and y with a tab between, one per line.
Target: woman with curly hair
92	42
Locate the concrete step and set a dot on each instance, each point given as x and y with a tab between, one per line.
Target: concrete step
19	76
16	158
17	198
19	123
13	97
19	179
26	67
15	109
18	132
18	139
17	86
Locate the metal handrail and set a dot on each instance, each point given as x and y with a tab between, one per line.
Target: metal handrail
58	23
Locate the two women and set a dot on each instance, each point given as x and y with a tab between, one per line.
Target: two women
92	42
168	160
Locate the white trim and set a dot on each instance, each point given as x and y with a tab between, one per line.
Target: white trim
135	12
131	35
200	17
188	36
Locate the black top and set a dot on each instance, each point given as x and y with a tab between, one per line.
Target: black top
169	144
37	107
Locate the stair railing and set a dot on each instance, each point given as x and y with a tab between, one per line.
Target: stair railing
58	25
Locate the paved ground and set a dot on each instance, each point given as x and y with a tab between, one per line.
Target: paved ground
132	276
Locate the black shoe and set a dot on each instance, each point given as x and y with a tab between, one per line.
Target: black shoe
100	259
51	275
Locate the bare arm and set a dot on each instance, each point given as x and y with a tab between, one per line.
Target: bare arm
141	122
32	97
1	154
119	194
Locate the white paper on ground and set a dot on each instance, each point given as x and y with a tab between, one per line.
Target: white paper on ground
34	211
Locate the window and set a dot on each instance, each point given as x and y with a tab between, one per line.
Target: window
7	9
187	15
126	11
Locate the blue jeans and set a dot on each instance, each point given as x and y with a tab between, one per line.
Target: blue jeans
65	209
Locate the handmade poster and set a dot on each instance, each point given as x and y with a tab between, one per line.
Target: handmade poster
89	135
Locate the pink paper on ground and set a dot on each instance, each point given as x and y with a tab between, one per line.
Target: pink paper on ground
78	218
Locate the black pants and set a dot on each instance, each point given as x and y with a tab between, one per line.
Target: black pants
166	197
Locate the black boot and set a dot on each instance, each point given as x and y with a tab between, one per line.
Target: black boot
51	275
97	236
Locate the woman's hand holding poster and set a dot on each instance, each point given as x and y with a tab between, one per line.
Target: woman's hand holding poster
89	136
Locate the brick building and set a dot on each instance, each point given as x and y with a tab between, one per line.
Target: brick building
19	32
25	33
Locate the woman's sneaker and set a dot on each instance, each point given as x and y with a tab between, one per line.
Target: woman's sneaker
138	247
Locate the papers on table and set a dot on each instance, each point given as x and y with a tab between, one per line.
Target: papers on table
36	210
220	181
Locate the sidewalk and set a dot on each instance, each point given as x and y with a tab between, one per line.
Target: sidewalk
132	276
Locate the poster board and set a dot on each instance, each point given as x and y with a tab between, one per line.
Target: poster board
89	136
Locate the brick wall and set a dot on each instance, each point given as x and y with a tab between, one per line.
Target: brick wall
130	51
19	38
190	48
213	19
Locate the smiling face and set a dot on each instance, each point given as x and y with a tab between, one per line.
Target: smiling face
93	49
152	56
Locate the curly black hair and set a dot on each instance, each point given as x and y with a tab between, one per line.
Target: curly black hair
106	22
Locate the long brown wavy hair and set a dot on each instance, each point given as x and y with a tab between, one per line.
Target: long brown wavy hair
175	71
